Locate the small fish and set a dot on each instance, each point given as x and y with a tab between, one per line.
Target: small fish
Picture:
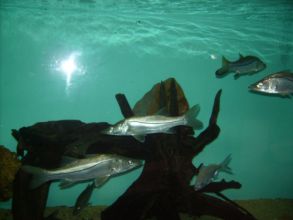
138	127
83	199
99	167
242	66
280	83
208	173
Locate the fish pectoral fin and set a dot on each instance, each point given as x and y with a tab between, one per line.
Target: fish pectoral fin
101	180
140	138
237	75
66	183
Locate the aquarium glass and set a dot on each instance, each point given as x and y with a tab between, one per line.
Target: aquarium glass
66	59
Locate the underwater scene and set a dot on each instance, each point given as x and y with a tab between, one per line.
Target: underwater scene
146	109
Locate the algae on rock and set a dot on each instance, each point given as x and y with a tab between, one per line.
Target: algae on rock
9	166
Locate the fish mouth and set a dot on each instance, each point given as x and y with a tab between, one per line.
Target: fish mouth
252	87
138	163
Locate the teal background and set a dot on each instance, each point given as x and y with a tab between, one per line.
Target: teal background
126	47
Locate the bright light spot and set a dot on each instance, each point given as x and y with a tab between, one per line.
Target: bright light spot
70	66
213	56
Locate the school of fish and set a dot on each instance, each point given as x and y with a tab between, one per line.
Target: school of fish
99	168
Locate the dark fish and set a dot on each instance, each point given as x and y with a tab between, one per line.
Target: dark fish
242	66
83	199
280	83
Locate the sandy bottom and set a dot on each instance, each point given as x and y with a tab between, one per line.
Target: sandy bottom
264	209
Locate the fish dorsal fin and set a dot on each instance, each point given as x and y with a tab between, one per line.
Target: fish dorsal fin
241	56
225	62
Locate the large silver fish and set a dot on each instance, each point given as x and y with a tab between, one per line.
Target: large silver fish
99	167
83	199
242	66
280	83
138	127
208	173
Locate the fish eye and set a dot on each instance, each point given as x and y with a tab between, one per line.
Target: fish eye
130	163
260	85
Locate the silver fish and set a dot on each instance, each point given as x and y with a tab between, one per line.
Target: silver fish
83	199
242	66
280	83
99	167
138	127
208	173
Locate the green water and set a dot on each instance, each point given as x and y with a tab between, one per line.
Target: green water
127	47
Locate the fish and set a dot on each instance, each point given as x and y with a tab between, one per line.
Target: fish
208	173
99	167
243	66
83	199
140	126
280	83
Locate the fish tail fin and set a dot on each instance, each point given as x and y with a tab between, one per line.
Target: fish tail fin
190	117
224	69
224	165
39	175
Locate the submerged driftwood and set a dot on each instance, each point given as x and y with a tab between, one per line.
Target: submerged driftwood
162	190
